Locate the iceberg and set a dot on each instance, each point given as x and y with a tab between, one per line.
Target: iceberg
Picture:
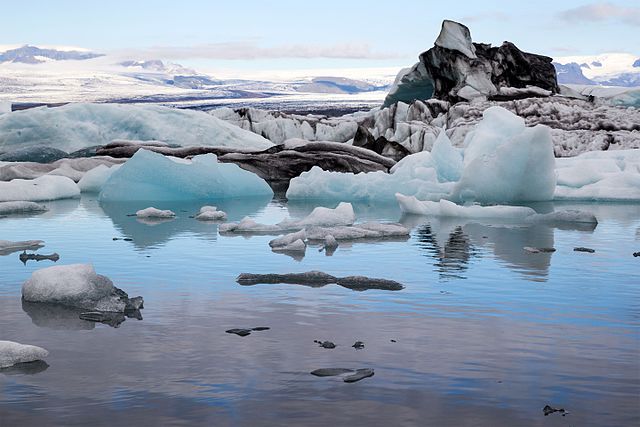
46	187
506	162
7	246
93	180
456	36
447	159
76	126
149	176
12	353
76	285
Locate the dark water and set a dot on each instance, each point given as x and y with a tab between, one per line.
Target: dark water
486	333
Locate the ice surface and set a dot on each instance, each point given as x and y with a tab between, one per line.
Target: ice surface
7	246
600	175
19	207
149	176
445	208
12	353
46	187
506	162
211	213
76	126
295	246
288	239
5	107
448	160
93	180
75	285
152	212
564	216
367	230
456	36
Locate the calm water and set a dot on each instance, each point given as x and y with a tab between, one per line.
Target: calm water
486	333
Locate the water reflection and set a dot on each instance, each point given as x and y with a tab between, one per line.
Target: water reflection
153	233
58	317
29	368
452	257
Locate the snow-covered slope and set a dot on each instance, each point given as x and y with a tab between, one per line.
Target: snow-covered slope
608	69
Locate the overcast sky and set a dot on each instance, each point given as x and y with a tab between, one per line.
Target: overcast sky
260	35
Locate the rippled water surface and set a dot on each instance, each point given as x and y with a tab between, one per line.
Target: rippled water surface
484	333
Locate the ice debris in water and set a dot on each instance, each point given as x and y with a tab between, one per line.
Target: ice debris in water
152	212
149	176
46	187
77	125
343	214
563	216
411	205
12	353
211	213
21	207
76	285
318	279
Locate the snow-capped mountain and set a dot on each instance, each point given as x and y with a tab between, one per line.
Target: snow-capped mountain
609	69
34	55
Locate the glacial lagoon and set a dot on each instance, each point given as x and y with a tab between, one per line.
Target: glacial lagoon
484	332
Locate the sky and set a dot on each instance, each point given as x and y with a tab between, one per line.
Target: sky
254	36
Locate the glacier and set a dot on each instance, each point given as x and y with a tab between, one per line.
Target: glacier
77	126
149	176
12	353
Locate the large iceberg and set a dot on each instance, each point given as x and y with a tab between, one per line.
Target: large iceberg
149	176
12	353
75	285
46	187
77	126
503	161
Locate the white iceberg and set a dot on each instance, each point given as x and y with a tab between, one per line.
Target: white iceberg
46	187
445	208
447	159
76	126
211	213
149	176
21	207
506	162
12	353
456	36
75	285
152	212
93	180
564	216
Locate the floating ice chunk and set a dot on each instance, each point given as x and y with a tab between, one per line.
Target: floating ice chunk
411	205
75	285
367	230
296	246
46	187
288	239
211	213
448	160
93	180
248	225
149	176
7	246
342	215
507	162
456	36
76	126
330	242
564	216
20	207
12	353
152	212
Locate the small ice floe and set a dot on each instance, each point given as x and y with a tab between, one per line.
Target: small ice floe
211	213
342	215
330	245
325	344
583	249
317	279
78	285
7	246
411	205
21	207
153	213
538	250
244	332
12	353
46	187
355	375
358	345
548	410
564	216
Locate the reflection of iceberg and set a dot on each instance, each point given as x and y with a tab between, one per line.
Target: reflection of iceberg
29	368
56	317
144	236
452	257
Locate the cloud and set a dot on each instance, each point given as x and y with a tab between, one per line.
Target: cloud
489	16
603	11
251	51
